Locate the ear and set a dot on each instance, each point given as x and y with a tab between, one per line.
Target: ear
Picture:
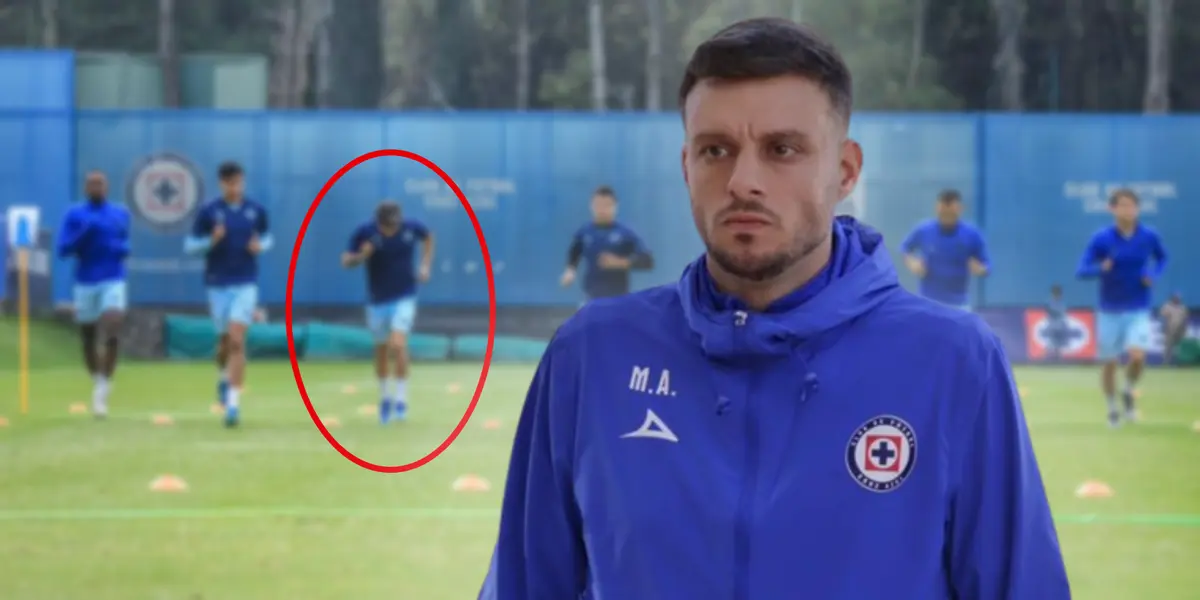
683	162
851	166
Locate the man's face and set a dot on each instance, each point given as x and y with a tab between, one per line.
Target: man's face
1125	210
233	186
95	186
949	212
604	208
766	162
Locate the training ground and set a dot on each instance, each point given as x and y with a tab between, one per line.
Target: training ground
270	510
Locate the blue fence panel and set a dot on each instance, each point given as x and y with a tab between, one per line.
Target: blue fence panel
1047	184
1035	183
37	137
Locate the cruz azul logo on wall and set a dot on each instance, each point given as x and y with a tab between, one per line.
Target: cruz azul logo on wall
1073	337
164	191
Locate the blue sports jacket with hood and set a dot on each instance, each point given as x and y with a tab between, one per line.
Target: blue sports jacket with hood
853	441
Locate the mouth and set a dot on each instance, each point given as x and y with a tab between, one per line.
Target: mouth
745	222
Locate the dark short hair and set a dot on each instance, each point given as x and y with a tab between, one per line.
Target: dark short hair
1119	193
605	191
388	212
228	170
949	197
768	47
1056	289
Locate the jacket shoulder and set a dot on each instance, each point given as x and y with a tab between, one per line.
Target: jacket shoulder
651	311
933	329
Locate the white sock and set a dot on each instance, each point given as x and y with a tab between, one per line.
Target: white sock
100	394
399	389
232	398
385	388
224	375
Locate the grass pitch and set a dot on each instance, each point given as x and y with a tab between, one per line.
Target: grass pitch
272	511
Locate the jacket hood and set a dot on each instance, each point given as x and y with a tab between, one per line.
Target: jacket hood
859	277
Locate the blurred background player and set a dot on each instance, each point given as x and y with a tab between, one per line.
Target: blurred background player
944	252
610	250
231	231
1174	315
1119	255
388	247
1057	328
96	234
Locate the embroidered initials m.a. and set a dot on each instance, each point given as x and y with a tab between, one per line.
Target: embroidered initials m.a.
639	381
653	427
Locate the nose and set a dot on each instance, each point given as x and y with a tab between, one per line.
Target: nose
746	182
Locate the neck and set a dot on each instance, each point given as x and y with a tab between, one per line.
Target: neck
1126	228
230	200
758	295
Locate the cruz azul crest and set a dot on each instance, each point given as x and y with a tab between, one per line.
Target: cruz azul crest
881	453
164	191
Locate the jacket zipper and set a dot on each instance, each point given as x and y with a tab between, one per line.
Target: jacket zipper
741	549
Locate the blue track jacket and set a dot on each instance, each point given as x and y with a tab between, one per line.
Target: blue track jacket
850	443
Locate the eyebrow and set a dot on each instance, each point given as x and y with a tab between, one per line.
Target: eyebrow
717	136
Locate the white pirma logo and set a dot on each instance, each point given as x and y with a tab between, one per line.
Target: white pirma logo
881	453
165	190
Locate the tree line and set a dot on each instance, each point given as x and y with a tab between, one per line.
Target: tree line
610	55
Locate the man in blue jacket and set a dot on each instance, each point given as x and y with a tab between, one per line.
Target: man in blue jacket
611	250
944	253
786	421
231	232
95	233
1120	256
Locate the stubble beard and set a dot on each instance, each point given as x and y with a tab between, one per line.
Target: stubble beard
765	268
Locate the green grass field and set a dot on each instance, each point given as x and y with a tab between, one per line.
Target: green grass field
272	511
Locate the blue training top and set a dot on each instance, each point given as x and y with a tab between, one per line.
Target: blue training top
229	261
391	269
853	441
946	252
592	240
1127	286
96	234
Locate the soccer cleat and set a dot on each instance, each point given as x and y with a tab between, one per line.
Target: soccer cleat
231	416
223	392
385	411
1114	419
400	411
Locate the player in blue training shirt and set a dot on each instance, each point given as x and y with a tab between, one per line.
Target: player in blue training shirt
231	232
388	247
785	421
610	250
945	252
96	234
1120	256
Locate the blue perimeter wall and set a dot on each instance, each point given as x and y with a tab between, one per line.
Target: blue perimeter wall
1035	183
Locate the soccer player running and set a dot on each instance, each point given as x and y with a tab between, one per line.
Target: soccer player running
1120	256
387	246
945	252
786	413
231	232
609	248
96	234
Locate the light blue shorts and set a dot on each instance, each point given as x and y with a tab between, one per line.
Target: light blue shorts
93	300
1118	332
232	304
398	315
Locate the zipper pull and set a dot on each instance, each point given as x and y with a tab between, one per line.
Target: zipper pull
739	318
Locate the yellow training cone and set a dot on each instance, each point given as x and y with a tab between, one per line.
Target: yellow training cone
491	424
453	388
349	389
162	420
368	410
78	408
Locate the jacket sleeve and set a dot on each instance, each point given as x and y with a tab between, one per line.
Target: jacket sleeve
71	234
1089	264
1003	543
540	553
